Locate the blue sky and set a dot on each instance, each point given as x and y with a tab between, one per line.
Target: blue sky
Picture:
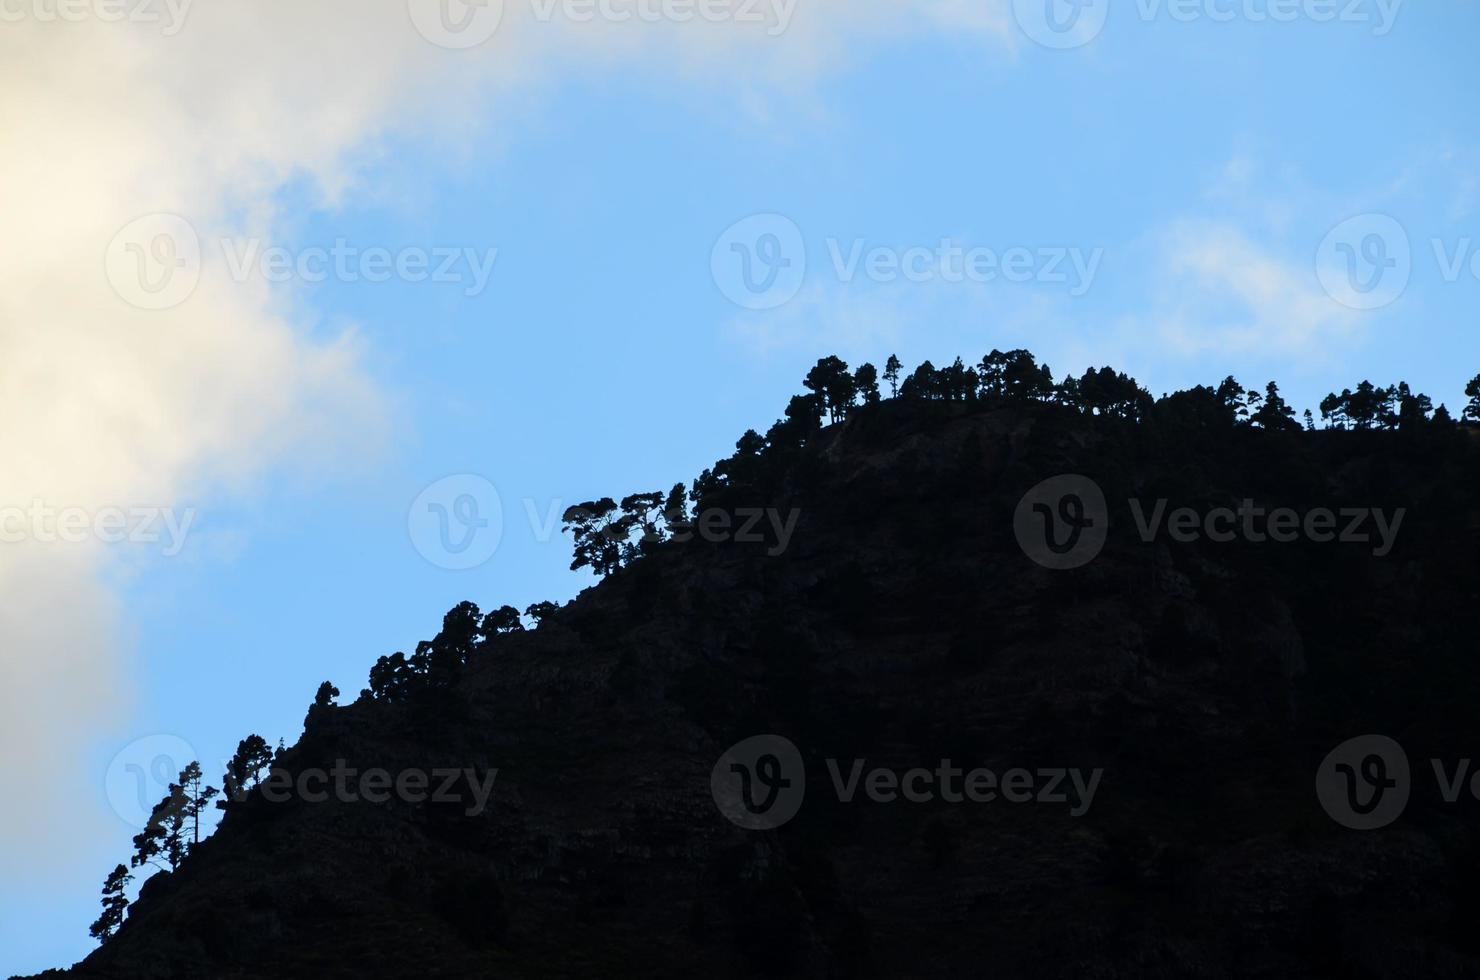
1202	163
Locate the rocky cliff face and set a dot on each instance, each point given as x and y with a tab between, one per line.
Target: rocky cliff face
1204	681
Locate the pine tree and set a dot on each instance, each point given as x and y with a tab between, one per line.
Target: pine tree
675	512
866	381
115	903
922	385
244	771
198	796
1274	412
504	619
832	384
892	367
163	837
598	528
541	611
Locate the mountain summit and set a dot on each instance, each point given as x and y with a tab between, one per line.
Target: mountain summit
949	687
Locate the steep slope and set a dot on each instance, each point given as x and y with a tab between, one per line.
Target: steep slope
904	625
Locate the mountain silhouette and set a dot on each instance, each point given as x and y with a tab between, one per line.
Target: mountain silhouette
1140	726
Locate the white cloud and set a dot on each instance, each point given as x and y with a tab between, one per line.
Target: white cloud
1217	290
103	404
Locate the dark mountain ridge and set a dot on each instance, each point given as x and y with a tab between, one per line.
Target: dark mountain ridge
905	623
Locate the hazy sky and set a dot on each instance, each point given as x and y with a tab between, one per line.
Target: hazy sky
316	315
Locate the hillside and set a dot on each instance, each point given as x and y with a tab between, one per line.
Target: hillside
904	624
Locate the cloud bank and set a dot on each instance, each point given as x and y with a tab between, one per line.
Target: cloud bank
208	111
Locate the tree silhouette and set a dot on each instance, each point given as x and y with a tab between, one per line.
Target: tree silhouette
676	507
325	696
1109	392
115	903
162	842
541	611
892	367
390	677
504	619
198	796
1371	407
1334	409
1014	374
1234	398
1366	406
866	382
803	417
956	382
437	662
1472	392
1412	409
922	385
244	771
1274	413
830	382
599	529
